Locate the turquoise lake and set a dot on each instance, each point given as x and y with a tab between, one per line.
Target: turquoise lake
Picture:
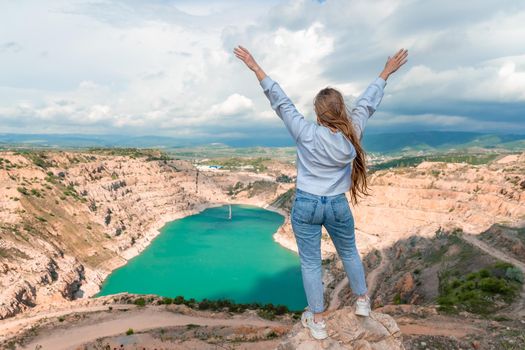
207	255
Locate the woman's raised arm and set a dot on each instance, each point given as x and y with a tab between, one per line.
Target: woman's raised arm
368	102
294	121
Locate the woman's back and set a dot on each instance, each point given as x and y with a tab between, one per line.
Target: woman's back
324	157
324	161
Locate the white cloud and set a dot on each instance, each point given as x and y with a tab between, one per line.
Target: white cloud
495	81
167	68
235	104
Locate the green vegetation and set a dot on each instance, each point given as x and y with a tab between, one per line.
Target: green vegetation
268	311
40	159
129	331
253	188
149	153
451	272
272	335
51	178
260	186
439	141
140	302
23	190
164	157
36	193
237	163
234	190
393	143
6	164
284	179
481	291
397	299
216	151
474	159
70	191
512	339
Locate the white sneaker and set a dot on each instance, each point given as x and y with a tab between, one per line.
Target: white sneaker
362	307
317	329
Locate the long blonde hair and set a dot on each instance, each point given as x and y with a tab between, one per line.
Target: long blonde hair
331	112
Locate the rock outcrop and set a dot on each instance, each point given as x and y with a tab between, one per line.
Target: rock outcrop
348	331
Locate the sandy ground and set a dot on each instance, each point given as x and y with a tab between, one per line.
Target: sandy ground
139	319
13	325
445	327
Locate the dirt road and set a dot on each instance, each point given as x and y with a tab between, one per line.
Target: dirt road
139	319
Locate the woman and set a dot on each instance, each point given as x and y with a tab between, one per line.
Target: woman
330	161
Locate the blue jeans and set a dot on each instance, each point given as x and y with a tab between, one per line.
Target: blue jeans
309	213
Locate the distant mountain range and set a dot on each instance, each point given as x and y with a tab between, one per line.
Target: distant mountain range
440	140
379	143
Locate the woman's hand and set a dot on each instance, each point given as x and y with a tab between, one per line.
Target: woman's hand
245	56
394	63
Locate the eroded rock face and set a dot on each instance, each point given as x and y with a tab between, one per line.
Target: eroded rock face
68	219
348	331
19	297
432	196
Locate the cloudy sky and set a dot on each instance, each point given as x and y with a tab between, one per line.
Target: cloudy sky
165	67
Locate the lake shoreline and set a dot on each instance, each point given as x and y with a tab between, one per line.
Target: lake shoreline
90	290
194	242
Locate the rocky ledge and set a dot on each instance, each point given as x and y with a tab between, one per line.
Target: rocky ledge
348	331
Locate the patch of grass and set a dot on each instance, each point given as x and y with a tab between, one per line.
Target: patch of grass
151	154
167	301
397	299
268	315
129	331
233	190
260	186
36	192
23	190
272	335
140	301
474	159
238	163
480	291
40	159
51	178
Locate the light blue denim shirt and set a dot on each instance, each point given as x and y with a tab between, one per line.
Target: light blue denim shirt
324	158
